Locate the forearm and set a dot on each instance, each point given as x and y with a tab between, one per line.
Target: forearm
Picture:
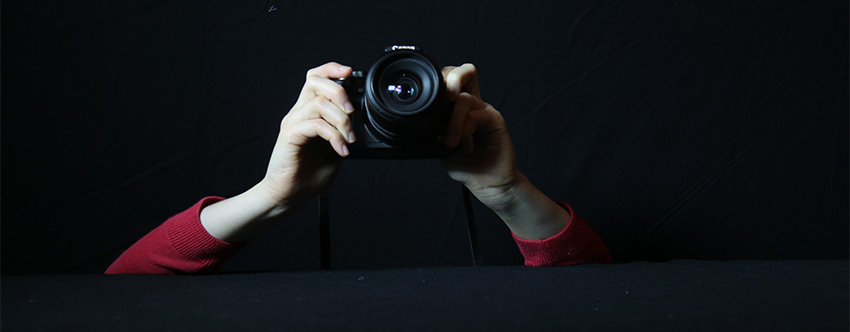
240	218
527	211
547	232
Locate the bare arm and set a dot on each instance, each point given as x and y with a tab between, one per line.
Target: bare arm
299	167
485	162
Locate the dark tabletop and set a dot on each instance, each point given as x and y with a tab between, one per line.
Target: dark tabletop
676	295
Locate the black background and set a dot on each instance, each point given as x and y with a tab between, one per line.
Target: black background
677	129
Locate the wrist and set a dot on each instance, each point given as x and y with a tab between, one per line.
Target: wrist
527	211
269	200
504	197
240	218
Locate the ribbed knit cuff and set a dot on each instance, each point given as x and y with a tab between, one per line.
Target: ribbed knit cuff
189	237
575	244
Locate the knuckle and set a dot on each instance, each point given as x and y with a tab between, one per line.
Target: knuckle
318	128
310	81
337	139
320	69
339	91
288	118
317	102
345	122
465	97
290	134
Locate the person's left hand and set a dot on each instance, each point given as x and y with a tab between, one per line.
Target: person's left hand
484	159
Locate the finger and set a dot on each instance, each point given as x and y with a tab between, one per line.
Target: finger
327	71
473	122
320	86
322	108
446	70
330	70
462	79
465	103
482	123
305	130
450	94
467	142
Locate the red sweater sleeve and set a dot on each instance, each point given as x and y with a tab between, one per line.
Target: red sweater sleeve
181	245
576	244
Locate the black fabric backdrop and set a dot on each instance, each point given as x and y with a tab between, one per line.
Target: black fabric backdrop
677	129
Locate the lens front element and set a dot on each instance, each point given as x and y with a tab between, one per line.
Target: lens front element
402	97
405	89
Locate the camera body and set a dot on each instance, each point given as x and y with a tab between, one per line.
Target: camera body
400	107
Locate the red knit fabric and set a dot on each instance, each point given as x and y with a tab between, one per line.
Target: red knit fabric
181	245
576	244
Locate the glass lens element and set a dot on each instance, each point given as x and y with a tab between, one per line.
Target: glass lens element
403	89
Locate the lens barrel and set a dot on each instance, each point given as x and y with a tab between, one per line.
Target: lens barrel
402	95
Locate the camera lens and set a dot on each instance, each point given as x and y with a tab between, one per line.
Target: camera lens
402	95
405	89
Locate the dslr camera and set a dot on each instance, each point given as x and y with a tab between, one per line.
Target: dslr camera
400	108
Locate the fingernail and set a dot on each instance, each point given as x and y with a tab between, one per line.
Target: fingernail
348	107
344	68
351	137
345	150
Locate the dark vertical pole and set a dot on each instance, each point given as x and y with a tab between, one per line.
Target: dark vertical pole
470	228
324	231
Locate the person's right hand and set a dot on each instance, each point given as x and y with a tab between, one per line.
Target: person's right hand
301	164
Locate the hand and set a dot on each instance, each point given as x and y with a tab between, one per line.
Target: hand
301	164
485	161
